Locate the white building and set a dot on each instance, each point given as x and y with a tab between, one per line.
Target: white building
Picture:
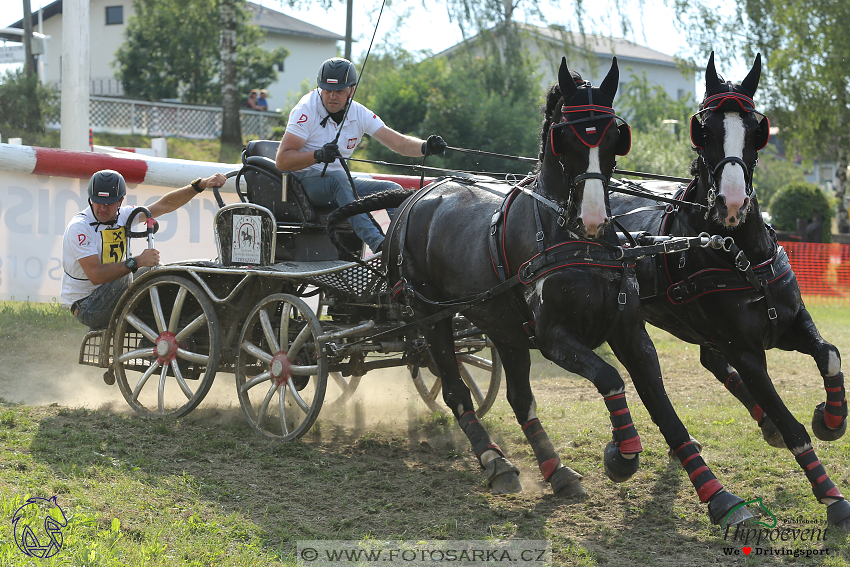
308	45
590	55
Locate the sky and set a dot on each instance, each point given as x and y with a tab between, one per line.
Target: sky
426	24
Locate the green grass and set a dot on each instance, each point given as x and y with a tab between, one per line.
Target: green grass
206	490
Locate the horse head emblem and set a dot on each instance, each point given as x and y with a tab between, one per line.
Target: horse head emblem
54	520
585	135
736	133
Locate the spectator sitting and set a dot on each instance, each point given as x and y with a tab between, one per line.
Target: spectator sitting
252	100
262	103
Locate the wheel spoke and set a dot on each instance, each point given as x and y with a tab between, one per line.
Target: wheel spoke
340	380
156	305
281	401
161	393
258	379
140	326
307	370
476	361
178	307
297	397
264	408
196	324
299	341
195	357
284	326
266	323
141	383
256	352
137	353
183	385
471	384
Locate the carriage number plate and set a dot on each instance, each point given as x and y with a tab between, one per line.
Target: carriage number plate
247	239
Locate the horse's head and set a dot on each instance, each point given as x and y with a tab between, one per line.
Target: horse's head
728	133
582	136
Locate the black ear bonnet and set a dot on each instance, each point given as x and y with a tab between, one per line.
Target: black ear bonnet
727	97
588	111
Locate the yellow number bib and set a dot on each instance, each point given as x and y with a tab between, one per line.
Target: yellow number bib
113	240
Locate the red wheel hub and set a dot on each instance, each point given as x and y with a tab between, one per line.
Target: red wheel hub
166	348
280	368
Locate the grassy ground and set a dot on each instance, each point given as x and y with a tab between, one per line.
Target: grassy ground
206	490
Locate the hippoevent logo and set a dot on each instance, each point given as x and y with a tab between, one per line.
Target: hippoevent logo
795	537
38	512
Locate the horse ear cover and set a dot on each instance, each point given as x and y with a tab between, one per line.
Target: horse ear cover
624	142
762	134
697	132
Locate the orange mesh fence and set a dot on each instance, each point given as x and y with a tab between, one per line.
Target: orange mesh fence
823	270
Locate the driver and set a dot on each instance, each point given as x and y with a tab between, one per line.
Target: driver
308	145
95	272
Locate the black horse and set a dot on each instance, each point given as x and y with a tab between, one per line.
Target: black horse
447	247
742	301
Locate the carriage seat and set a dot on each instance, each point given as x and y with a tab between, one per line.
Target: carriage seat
287	200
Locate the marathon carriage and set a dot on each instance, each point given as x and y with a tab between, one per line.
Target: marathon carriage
278	309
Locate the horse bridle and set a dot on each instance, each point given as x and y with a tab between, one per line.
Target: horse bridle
571	181
714	104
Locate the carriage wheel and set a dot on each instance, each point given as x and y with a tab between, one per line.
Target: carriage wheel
166	347
340	389
281	370
481	375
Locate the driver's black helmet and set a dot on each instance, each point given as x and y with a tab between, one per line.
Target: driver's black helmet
107	186
336	74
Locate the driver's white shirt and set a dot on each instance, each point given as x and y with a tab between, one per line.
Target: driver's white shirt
82	239
305	122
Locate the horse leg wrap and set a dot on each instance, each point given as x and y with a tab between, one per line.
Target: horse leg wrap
704	481
822	486
835	409
736	387
544	451
626	437
477	435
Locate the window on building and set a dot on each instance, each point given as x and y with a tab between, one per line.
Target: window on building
114	15
680	94
281	66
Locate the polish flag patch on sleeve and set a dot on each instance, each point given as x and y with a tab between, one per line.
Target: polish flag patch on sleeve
590	130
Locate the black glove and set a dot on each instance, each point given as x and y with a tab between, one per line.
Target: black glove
327	153
434	146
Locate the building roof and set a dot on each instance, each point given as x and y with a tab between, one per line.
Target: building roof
268	20
275	22
624	49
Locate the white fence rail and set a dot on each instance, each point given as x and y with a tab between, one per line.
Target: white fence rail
162	119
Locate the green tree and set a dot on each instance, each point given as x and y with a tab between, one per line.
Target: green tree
806	48
25	104
772	174
169	52
802	200
477	103
660	137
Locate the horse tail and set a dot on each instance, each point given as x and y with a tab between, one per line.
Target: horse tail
375	202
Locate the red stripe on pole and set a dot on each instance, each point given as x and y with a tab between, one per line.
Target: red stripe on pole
82	165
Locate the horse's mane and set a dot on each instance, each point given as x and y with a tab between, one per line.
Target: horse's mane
551	110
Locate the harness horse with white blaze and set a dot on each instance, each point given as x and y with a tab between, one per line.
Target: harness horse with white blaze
738	302
537	265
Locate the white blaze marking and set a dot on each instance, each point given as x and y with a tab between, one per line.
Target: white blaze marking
733	185
593	202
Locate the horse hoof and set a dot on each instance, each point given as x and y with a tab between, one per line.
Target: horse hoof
617	467
838	515
671	453
820	429
566	483
725	508
771	434
502	476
